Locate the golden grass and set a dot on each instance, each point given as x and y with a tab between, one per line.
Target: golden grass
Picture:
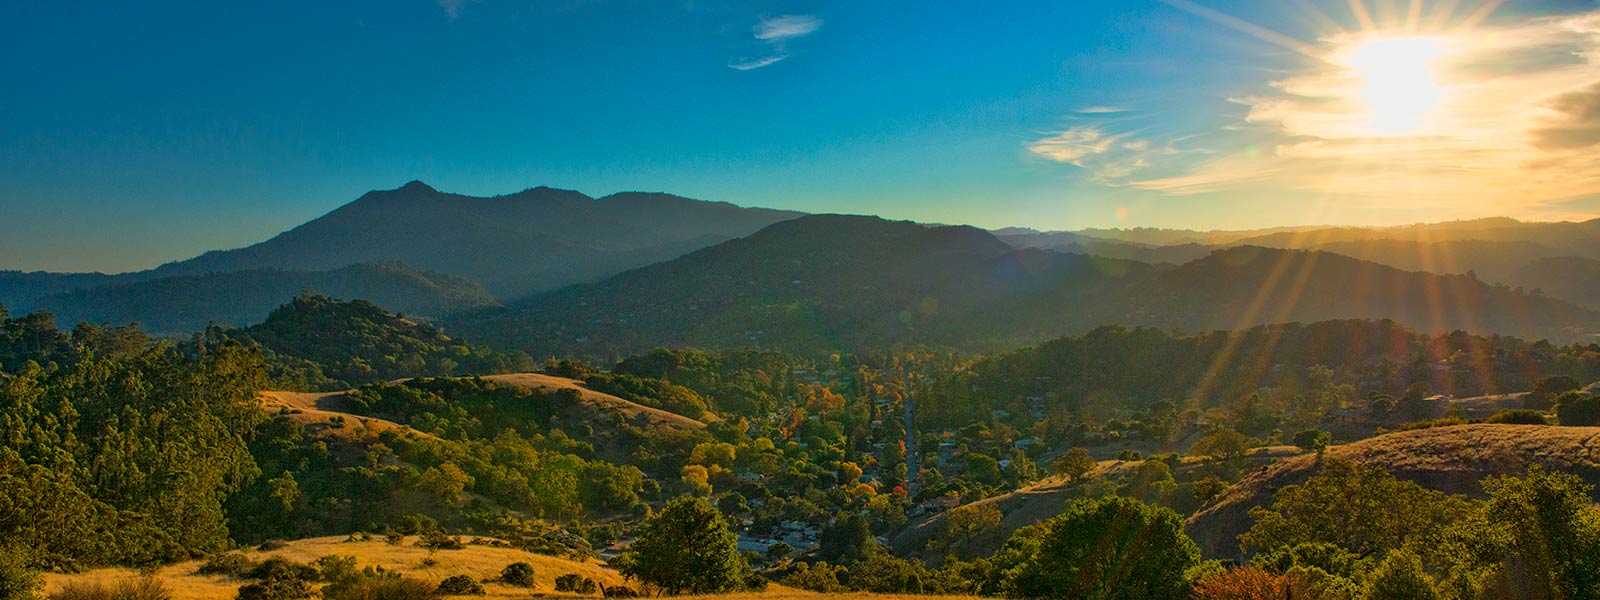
632	410
481	562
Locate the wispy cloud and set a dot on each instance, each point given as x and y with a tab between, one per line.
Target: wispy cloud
452	8
746	64
1110	158
1101	110
774	35
777	29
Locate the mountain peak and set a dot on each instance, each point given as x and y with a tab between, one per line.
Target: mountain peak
417	186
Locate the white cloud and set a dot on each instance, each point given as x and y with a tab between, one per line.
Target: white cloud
777	29
1109	158
746	64
775	33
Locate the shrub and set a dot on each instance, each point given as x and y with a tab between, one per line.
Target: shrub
271	545
518	573
335	568
140	588
281	568
382	588
619	591
575	583
460	585
1518	417
435	539
276	589
229	563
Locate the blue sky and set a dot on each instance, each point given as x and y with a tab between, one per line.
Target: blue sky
134	133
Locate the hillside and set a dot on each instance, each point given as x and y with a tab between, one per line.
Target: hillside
478	559
599	402
815	283
1450	459
189	303
537	239
316	343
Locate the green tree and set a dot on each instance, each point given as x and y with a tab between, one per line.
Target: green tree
1546	391
1361	509
1545	523
17	580
1399	577
847	539
1112	549
1224	444
1075	463
688	548
1576	409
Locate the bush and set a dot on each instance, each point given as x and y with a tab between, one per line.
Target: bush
619	591
335	568
460	585
575	583
282	568
518	574
1518	417
230	563
382	588
436	539
271	545
141	588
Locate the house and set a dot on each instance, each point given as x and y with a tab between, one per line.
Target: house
1024	442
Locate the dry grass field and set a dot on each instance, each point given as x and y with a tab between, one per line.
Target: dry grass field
481	562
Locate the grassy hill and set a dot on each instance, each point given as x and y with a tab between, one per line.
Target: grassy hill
479	560
1450	459
190	303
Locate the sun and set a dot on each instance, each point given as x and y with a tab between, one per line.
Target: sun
1397	81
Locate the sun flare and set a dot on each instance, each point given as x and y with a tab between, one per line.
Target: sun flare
1397	82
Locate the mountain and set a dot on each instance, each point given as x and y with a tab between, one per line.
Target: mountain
189	303
831	282
538	239
20	290
1244	286
815	283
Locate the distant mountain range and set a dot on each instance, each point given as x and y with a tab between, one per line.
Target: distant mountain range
536	240
188	303
556	271
830	281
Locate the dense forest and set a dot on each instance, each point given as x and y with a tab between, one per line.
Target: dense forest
862	471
